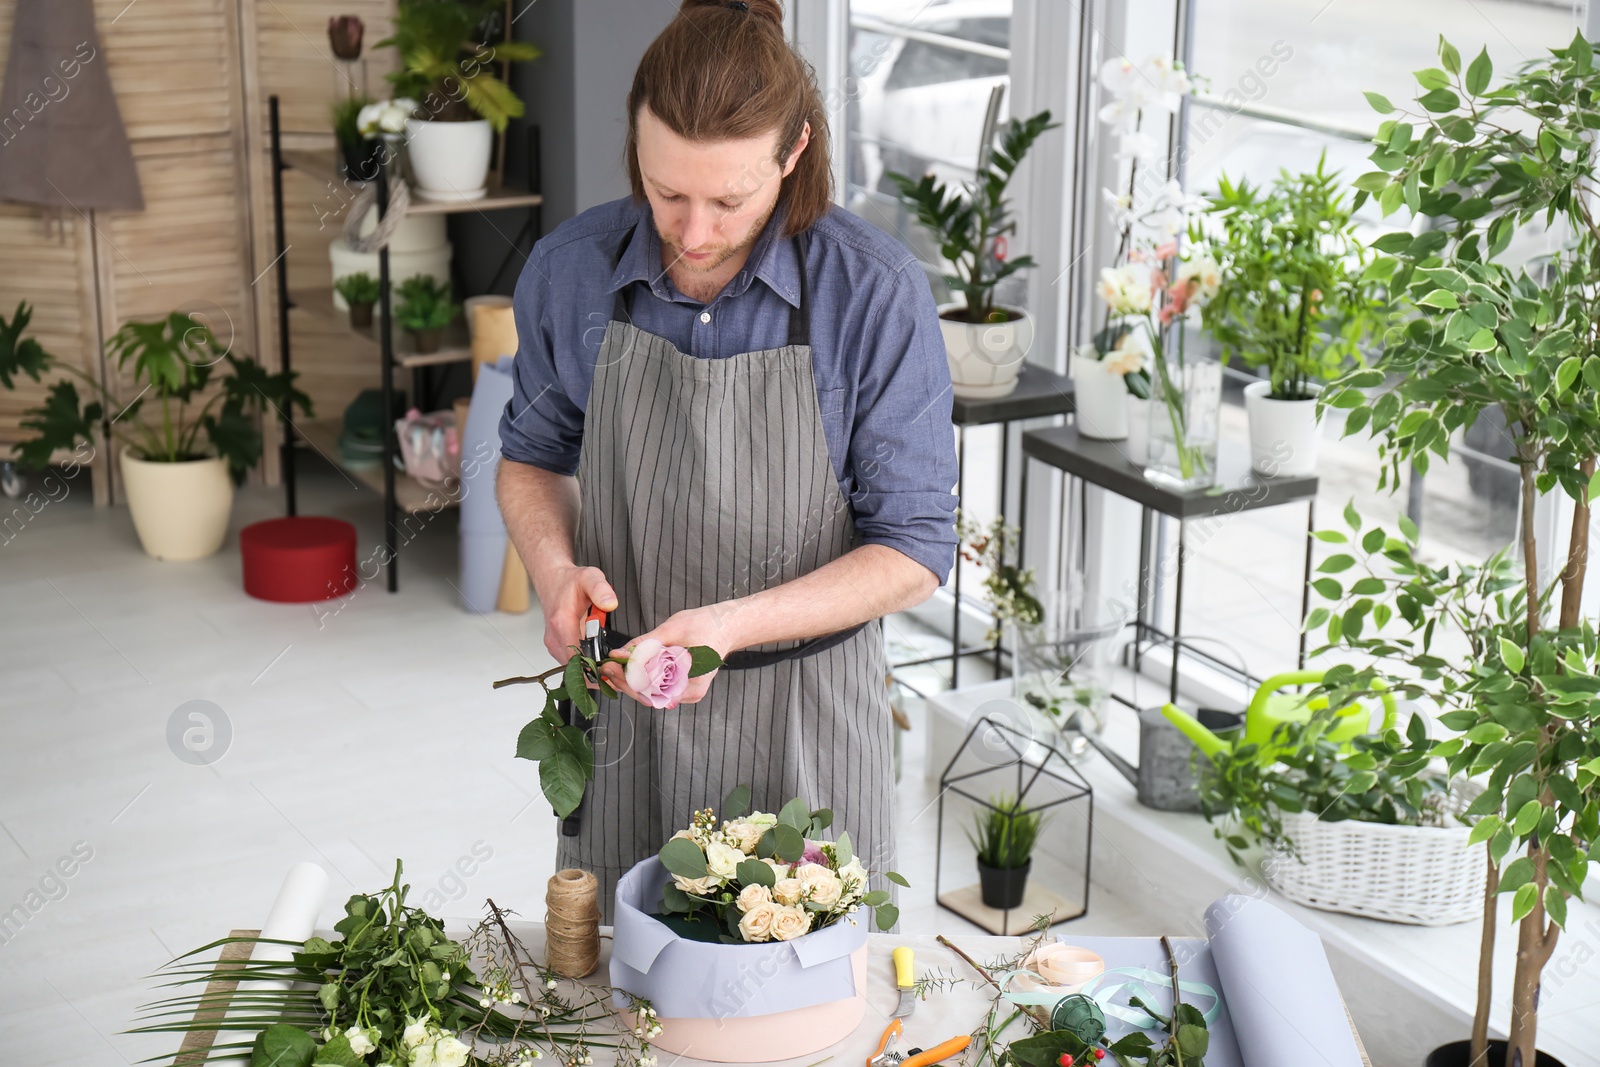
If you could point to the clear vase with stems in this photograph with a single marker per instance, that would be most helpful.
(1185, 412)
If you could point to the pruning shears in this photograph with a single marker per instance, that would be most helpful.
(889, 1054)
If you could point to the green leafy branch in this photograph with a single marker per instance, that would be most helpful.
(563, 750)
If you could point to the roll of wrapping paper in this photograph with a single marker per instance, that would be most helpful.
(293, 918)
(494, 330)
(513, 596)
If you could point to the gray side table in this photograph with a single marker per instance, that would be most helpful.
(1238, 488)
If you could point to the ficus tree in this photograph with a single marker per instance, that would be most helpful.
(1523, 706)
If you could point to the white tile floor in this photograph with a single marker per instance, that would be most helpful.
(356, 737)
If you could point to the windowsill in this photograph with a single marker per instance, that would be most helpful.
(1409, 988)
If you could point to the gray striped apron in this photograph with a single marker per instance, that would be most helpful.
(705, 480)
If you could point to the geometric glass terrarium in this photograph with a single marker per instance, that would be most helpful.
(1011, 786)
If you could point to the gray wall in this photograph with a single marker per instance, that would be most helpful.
(576, 93)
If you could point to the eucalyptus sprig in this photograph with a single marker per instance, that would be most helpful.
(562, 749)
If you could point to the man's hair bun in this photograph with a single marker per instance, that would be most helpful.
(768, 9)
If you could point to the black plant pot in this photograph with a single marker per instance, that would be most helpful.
(1459, 1054)
(361, 316)
(428, 341)
(1003, 887)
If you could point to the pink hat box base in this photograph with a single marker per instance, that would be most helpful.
(766, 1038)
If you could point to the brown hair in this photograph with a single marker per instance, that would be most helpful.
(724, 71)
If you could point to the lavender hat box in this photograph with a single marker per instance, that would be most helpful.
(737, 1003)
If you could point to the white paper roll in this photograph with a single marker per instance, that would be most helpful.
(293, 918)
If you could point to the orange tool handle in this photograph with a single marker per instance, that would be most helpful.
(938, 1052)
(894, 1029)
(595, 612)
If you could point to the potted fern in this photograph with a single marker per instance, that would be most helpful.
(185, 444)
(359, 291)
(1004, 835)
(463, 103)
(985, 342)
(425, 310)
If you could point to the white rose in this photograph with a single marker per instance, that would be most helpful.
(722, 860)
(700, 887)
(756, 925)
(788, 890)
(423, 1056)
(449, 1052)
(414, 1034)
(360, 1041)
(790, 923)
(779, 868)
(753, 894)
(764, 819)
(825, 890)
(854, 877)
(744, 834)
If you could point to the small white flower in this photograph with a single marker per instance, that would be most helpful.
(550, 983)
(361, 1041)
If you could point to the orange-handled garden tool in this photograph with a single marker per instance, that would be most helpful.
(916, 1057)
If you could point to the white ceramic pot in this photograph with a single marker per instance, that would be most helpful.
(1138, 447)
(180, 510)
(1283, 433)
(449, 160)
(1100, 397)
(985, 358)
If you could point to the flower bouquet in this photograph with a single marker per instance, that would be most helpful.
(746, 930)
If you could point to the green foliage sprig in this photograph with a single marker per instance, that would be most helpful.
(175, 358)
(563, 750)
(1292, 298)
(445, 69)
(969, 220)
(1009, 587)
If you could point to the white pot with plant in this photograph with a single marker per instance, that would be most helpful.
(181, 439)
(450, 135)
(985, 343)
(1290, 300)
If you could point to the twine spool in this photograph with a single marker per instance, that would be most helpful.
(572, 923)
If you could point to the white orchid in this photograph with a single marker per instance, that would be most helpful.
(1138, 145)
(1125, 290)
(1171, 210)
(386, 116)
(1121, 205)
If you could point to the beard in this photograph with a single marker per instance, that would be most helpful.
(673, 252)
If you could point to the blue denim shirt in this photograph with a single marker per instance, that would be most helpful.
(878, 357)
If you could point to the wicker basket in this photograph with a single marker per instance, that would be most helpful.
(1421, 875)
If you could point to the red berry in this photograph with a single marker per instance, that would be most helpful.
(1099, 1053)
(1065, 1060)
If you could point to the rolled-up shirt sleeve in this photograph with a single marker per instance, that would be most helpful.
(541, 425)
(902, 445)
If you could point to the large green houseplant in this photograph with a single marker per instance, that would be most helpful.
(462, 101)
(1291, 301)
(1522, 697)
(188, 433)
(986, 343)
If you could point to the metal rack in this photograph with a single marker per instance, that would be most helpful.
(399, 491)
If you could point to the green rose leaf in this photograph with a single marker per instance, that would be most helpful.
(577, 688)
(562, 778)
(337, 1053)
(283, 1045)
(537, 741)
(703, 659)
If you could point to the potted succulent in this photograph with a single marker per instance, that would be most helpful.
(1111, 373)
(985, 343)
(359, 290)
(1004, 834)
(179, 464)
(1521, 700)
(425, 310)
(462, 102)
(1291, 301)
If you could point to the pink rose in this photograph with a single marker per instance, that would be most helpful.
(814, 854)
(658, 673)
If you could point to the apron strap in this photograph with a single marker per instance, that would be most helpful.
(749, 660)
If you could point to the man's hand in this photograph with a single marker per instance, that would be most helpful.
(697, 626)
(566, 597)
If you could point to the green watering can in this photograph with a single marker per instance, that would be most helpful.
(1269, 709)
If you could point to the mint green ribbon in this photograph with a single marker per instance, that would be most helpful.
(1138, 982)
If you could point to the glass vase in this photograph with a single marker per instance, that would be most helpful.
(1185, 410)
(1062, 678)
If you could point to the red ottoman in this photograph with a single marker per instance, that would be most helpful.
(298, 560)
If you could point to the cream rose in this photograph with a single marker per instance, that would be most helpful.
(824, 890)
(854, 877)
(788, 890)
(790, 923)
(722, 860)
(753, 894)
(449, 1052)
(700, 887)
(360, 1040)
(743, 834)
(758, 922)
